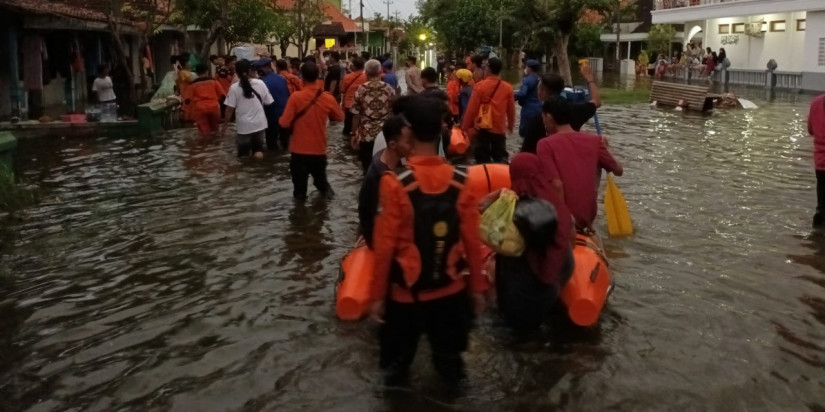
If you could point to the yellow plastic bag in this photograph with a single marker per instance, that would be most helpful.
(497, 228)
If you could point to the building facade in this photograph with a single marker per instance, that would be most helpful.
(754, 32)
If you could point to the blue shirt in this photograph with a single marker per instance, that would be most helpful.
(280, 93)
(528, 97)
(464, 100)
(391, 79)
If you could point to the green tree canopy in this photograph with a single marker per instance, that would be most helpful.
(660, 38)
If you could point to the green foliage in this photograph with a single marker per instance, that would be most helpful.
(463, 25)
(249, 21)
(588, 39)
(239, 20)
(659, 38)
(305, 16)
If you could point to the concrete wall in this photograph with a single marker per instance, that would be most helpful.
(753, 53)
(813, 76)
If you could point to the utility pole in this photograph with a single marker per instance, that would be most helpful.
(501, 30)
(363, 28)
(349, 10)
(386, 39)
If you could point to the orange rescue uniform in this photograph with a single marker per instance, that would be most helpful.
(309, 133)
(503, 105)
(453, 89)
(395, 228)
(293, 83)
(352, 81)
(202, 100)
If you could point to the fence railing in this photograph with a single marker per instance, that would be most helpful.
(780, 80)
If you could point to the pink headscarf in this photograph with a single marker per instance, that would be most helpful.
(527, 179)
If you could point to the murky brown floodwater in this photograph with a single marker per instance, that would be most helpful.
(167, 274)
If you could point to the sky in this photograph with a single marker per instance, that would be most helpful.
(404, 7)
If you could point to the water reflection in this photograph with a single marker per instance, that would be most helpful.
(168, 274)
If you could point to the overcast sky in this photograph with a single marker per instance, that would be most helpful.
(404, 7)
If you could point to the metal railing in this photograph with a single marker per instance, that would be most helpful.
(783, 80)
(675, 4)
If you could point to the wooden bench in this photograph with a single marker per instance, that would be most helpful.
(670, 94)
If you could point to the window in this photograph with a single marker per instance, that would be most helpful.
(724, 29)
(822, 51)
(739, 27)
(800, 25)
(777, 26)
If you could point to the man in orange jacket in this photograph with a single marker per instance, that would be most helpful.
(426, 233)
(203, 99)
(453, 90)
(306, 114)
(492, 92)
(352, 81)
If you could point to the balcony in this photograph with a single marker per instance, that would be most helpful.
(675, 4)
(680, 11)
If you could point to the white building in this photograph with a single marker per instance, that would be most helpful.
(752, 32)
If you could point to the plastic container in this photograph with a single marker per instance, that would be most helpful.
(354, 285)
(585, 293)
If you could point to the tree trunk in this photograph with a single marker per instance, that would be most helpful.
(284, 46)
(618, 46)
(117, 42)
(144, 84)
(214, 33)
(560, 51)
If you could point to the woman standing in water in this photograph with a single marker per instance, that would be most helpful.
(529, 286)
(246, 100)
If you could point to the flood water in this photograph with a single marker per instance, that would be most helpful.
(166, 274)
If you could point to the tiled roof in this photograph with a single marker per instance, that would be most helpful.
(92, 10)
(332, 13)
(66, 8)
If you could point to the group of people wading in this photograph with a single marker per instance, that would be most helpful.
(415, 210)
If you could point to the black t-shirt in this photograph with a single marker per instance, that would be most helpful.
(582, 112)
(333, 74)
(368, 197)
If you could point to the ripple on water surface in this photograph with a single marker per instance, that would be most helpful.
(167, 274)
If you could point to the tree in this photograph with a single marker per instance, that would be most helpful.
(558, 18)
(307, 14)
(615, 13)
(588, 38)
(235, 20)
(148, 16)
(660, 38)
(283, 30)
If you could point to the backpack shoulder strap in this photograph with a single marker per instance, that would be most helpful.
(494, 93)
(304, 111)
(407, 179)
(459, 176)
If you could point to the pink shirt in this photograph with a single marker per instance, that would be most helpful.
(816, 127)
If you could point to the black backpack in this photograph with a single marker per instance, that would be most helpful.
(437, 229)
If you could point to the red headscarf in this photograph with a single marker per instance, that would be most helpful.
(527, 179)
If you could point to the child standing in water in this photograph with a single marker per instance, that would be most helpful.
(246, 100)
(203, 99)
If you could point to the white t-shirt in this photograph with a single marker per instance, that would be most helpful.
(249, 113)
(103, 87)
(380, 144)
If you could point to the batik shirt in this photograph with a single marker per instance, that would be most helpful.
(372, 102)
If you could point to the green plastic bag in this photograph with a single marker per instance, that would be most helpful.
(497, 228)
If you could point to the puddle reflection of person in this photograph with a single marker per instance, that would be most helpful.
(816, 128)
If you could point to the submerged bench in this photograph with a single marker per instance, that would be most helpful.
(692, 97)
